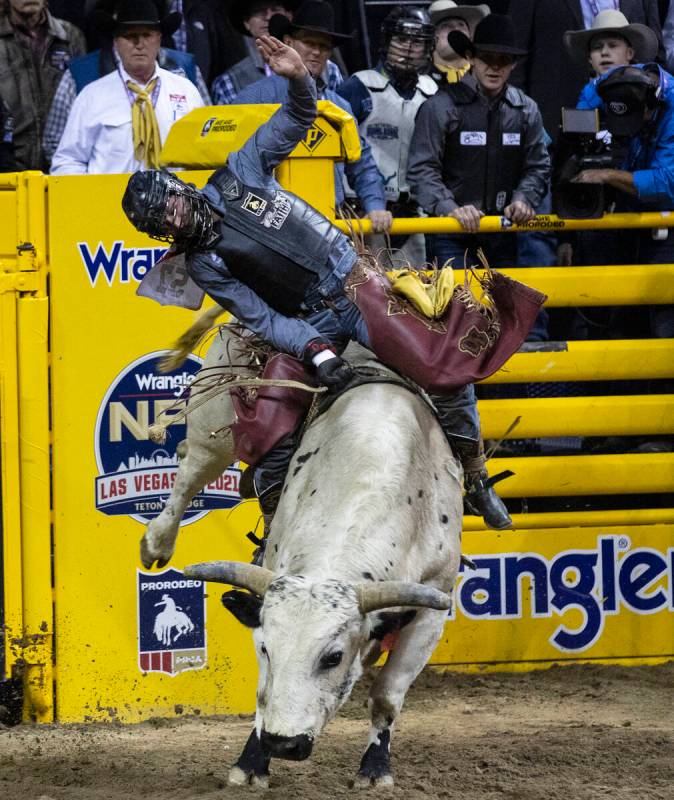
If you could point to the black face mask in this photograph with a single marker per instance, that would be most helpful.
(161, 205)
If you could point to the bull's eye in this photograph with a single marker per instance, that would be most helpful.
(332, 660)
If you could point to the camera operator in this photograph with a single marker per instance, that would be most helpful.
(638, 102)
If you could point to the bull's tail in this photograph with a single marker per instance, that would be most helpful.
(189, 340)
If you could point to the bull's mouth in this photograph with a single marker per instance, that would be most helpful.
(290, 748)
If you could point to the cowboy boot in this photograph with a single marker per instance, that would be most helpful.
(480, 498)
(268, 501)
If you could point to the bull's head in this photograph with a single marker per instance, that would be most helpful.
(308, 635)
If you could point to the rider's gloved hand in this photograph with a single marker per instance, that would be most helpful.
(331, 371)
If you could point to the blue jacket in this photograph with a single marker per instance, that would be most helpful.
(254, 164)
(363, 175)
(650, 156)
(588, 97)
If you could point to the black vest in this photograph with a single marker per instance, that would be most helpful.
(484, 156)
(272, 240)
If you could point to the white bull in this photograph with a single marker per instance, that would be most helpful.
(369, 519)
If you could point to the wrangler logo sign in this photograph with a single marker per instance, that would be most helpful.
(118, 263)
(579, 589)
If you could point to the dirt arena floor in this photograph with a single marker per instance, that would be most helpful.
(573, 733)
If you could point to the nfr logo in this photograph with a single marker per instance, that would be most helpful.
(313, 138)
(135, 475)
(171, 622)
(597, 583)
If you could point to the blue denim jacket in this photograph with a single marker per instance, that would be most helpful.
(363, 175)
(254, 164)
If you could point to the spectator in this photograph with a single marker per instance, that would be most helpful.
(253, 21)
(478, 147)
(7, 162)
(311, 34)
(611, 42)
(668, 35)
(385, 102)
(549, 75)
(119, 122)
(447, 16)
(35, 49)
(85, 70)
(644, 97)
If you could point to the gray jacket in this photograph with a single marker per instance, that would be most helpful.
(254, 165)
(466, 150)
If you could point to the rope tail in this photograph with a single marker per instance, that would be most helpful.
(190, 339)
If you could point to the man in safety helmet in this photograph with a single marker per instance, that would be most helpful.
(279, 266)
(385, 102)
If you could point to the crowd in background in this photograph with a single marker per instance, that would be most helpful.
(459, 114)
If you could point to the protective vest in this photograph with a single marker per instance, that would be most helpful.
(388, 128)
(95, 65)
(484, 155)
(271, 240)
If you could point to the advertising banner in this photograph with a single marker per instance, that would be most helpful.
(132, 643)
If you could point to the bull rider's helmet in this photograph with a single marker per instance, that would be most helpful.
(154, 197)
(413, 34)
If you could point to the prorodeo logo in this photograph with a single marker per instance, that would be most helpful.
(601, 582)
(313, 138)
(171, 622)
(119, 263)
(135, 475)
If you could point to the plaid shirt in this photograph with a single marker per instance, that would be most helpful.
(65, 95)
(223, 90)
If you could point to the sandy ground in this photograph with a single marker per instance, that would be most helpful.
(573, 733)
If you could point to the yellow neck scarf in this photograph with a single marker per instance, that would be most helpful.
(146, 141)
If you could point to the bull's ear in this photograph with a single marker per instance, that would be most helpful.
(390, 621)
(245, 607)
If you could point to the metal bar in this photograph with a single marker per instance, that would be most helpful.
(578, 416)
(582, 519)
(542, 222)
(38, 628)
(11, 483)
(633, 359)
(566, 476)
(625, 285)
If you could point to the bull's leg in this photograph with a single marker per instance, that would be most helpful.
(253, 765)
(201, 465)
(413, 649)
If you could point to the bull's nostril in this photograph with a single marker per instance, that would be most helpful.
(292, 748)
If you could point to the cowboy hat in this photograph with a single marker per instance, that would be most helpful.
(494, 34)
(443, 9)
(136, 14)
(314, 16)
(241, 10)
(641, 38)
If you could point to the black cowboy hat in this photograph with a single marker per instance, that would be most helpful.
(240, 10)
(136, 14)
(494, 34)
(313, 15)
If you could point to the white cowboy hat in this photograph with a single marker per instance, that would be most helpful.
(641, 38)
(441, 9)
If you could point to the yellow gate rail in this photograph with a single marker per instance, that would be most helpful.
(622, 415)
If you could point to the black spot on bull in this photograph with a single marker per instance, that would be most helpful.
(254, 760)
(304, 458)
(376, 761)
(292, 748)
(368, 576)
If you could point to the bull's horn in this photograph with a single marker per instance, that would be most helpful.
(236, 573)
(385, 594)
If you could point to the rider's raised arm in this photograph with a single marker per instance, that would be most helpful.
(279, 136)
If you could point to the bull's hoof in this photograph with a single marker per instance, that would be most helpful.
(237, 777)
(148, 559)
(372, 781)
